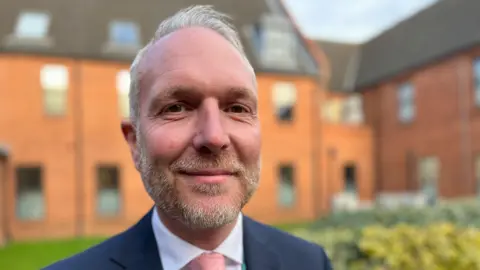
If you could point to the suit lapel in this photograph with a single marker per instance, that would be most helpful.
(138, 248)
(258, 254)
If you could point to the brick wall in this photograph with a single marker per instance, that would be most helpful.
(446, 125)
(69, 148)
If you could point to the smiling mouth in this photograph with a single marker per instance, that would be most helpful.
(208, 176)
(207, 172)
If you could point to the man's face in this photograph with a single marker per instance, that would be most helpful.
(198, 135)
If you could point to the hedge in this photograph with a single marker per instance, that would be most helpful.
(442, 237)
(460, 213)
(403, 247)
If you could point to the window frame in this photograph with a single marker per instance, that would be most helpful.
(281, 181)
(280, 106)
(42, 18)
(124, 25)
(120, 200)
(406, 96)
(59, 89)
(38, 168)
(476, 81)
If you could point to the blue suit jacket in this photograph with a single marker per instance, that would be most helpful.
(265, 248)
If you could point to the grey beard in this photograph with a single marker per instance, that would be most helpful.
(164, 193)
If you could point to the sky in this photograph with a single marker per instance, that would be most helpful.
(352, 21)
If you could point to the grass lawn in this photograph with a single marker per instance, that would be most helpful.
(35, 255)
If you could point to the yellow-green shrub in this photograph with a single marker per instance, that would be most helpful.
(401, 247)
(435, 247)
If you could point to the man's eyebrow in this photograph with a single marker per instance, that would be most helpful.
(191, 93)
(173, 92)
(179, 92)
(240, 93)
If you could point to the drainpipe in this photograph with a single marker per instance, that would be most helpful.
(78, 145)
(464, 113)
(316, 150)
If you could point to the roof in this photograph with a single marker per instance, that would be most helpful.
(344, 60)
(79, 29)
(443, 29)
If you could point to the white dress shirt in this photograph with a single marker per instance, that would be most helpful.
(176, 253)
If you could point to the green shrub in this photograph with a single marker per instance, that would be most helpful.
(436, 247)
(403, 247)
(443, 237)
(464, 213)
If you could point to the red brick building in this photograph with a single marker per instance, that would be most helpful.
(420, 87)
(396, 114)
(65, 169)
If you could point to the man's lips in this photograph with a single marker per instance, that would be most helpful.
(208, 176)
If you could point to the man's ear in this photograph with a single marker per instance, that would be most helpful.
(130, 136)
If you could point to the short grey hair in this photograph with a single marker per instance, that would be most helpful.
(197, 15)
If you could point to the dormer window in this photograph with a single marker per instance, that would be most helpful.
(275, 42)
(123, 37)
(32, 25)
(124, 33)
(31, 29)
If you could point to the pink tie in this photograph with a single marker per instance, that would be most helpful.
(208, 261)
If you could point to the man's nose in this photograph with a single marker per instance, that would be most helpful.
(211, 136)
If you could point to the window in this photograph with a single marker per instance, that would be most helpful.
(406, 102)
(124, 33)
(353, 110)
(284, 98)
(33, 25)
(123, 88)
(429, 174)
(331, 110)
(278, 51)
(477, 173)
(30, 203)
(275, 42)
(286, 192)
(54, 81)
(410, 164)
(350, 179)
(476, 76)
(108, 197)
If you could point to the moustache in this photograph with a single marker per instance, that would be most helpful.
(227, 163)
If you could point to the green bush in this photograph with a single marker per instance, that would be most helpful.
(437, 238)
(437, 247)
(463, 213)
(403, 247)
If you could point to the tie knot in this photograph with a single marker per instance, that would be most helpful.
(208, 261)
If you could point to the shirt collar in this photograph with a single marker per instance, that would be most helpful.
(176, 253)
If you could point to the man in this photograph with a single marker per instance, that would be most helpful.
(194, 136)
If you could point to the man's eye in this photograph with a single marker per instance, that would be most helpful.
(176, 108)
(237, 109)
